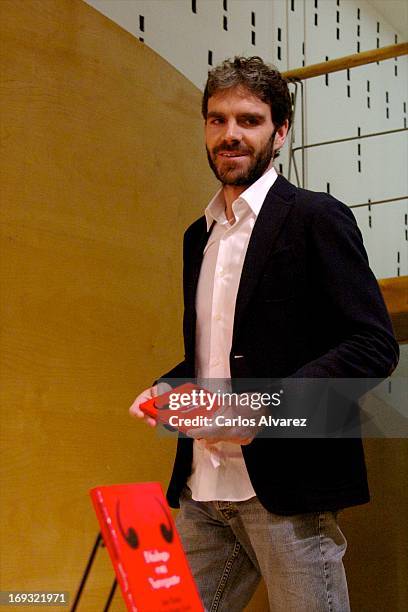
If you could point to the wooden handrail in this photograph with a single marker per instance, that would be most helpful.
(348, 61)
(395, 294)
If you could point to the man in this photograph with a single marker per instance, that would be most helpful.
(276, 285)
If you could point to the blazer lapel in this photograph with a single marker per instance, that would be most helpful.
(192, 266)
(195, 260)
(266, 229)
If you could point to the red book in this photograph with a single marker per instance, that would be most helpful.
(145, 548)
(183, 407)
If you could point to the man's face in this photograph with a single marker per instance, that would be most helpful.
(239, 135)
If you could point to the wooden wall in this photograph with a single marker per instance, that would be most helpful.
(102, 168)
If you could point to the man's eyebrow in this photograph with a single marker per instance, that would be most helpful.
(219, 115)
(215, 114)
(251, 116)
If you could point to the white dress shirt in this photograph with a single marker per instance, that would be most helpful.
(221, 474)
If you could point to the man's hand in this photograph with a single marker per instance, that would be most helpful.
(240, 441)
(144, 397)
(211, 436)
(236, 432)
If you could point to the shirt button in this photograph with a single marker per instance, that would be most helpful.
(216, 362)
(217, 317)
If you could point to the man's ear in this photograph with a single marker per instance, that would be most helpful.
(280, 135)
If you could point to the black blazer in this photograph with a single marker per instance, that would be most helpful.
(308, 306)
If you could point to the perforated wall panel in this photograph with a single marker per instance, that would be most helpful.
(194, 35)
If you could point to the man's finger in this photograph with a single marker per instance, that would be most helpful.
(136, 412)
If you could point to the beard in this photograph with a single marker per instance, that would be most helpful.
(259, 163)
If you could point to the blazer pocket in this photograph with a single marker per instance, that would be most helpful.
(279, 277)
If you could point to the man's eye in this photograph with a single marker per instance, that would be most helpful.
(251, 121)
(216, 121)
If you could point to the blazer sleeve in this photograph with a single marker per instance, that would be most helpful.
(349, 287)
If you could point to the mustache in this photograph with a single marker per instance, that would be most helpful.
(226, 147)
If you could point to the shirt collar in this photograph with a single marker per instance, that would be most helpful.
(254, 197)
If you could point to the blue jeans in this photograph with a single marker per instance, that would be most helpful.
(230, 545)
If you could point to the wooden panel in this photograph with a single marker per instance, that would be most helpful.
(103, 167)
(376, 560)
(395, 293)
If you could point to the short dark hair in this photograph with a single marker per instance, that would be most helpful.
(261, 79)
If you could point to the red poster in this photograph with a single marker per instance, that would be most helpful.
(145, 548)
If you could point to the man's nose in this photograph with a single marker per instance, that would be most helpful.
(232, 132)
